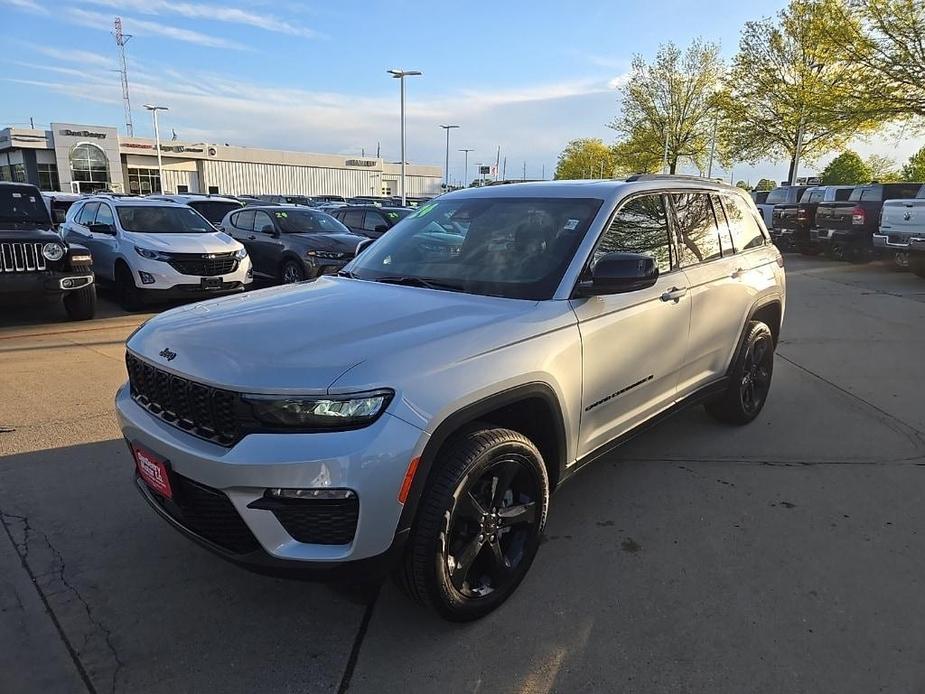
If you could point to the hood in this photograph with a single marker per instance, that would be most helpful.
(303, 337)
(38, 234)
(209, 242)
(333, 241)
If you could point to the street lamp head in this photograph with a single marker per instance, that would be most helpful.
(151, 107)
(398, 73)
(448, 127)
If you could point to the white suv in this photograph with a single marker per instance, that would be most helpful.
(153, 250)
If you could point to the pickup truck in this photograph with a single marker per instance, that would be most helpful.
(791, 222)
(900, 221)
(846, 229)
(778, 196)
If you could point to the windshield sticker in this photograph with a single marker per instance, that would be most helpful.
(571, 225)
(392, 215)
(424, 211)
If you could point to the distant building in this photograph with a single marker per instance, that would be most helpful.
(85, 158)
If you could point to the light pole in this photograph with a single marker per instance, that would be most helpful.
(400, 75)
(157, 142)
(466, 166)
(446, 175)
(817, 68)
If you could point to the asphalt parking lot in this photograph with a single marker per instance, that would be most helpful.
(783, 556)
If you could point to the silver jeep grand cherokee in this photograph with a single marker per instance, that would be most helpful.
(416, 411)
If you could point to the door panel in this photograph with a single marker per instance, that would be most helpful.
(267, 246)
(105, 246)
(632, 343)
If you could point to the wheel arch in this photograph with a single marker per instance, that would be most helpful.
(531, 409)
(770, 311)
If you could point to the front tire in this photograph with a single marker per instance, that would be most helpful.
(80, 304)
(291, 272)
(750, 380)
(478, 526)
(127, 293)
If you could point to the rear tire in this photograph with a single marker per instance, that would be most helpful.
(80, 304)
(127, 293)
(901, 261)
(750, 380)
(917, 264)
(478, 525)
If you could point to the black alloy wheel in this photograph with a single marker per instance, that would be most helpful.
(755, 381)
(292, 272)
(749, 379)
(490, 526)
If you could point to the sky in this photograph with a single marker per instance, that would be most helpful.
(311, 76)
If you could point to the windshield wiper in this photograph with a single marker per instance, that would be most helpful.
(346, 273)
(412, 281)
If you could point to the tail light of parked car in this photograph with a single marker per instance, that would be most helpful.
(802, 214)
(858, 215)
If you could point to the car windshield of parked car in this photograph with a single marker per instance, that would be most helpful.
(510, 247)
(22, 206)
(778, 195)
(307, 222)
(151, 219)
(214, 210)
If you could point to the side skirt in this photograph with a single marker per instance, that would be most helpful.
(698, 397)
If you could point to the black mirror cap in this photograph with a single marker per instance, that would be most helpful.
(102, 229)
(617, 273)
(381, 228)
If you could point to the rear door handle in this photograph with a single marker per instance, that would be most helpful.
(251, 238)
(737, 273)
(674, 294)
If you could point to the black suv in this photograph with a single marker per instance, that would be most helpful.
(369, 220)
(36, 265)
(290, 243)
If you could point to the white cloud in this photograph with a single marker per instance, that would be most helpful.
(216, 13)
(98, 20)
(74, 55)
(27, 5)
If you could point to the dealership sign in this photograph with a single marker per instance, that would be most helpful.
(361, 162)
(82, 133)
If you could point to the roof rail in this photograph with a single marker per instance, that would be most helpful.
(671, 177)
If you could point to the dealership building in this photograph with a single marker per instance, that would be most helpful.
(85, 158)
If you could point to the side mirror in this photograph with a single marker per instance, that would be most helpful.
(363, 245)
(102, 229)
(381, 228)
(616, 273)
(268, 229)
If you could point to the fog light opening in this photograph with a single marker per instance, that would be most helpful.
(146, 277)
(311, 493)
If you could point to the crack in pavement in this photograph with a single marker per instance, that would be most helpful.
(58, 571)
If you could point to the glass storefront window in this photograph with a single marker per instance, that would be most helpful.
(18, 172)
(48, 177)
(89, 165)
(144, 181)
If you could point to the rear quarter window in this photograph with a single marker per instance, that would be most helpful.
(746, 232)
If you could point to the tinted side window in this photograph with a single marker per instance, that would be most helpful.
(262, 221)
(104, 216)
(901, 191)
(872, 193)
(640, 226)
(88, 213)
(353, 218)
(725, 235)
(373, 220)
(697, 227)
(745, 230)
(843, 193)
(244, 220)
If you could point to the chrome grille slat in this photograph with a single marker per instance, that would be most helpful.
(17, 256)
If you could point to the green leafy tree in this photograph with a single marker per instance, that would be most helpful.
(784, 83)
(882, 168)
(846, 169)
(765, 184)
(914, 169)
(671, 99)
(743, 185)
(586, 158)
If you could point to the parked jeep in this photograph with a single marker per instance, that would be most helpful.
(36, 266)
(416, 411)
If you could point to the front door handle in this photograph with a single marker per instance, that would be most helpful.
(737, 273)
(674, 294)
(251, 238)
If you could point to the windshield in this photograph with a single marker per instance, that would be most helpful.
(151, 219)
(214, 210)
(307, 222)
(778, 195)
(22, 206)
(511, 247)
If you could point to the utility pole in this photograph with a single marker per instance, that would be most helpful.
(801, 131)
(665, 155)
(498, 163)
(524, 177)
(157, 142)
(466, 180)
(712, 150)
(446, 173)
(400, 75)
(121, 40)
(504, 170)
(544, 172)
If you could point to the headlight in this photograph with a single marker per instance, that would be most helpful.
(149, 254)
(328, 255)
(241, 254)
(53, 251)
(319, 412)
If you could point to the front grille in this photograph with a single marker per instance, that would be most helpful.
(209, 513)
(320, 521)
(203, 265)
(21, 257)
(199, 409)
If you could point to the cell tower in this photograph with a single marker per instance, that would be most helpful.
(121, 40)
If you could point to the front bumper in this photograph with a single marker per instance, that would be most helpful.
(46, 284)
(162, 276)
(190, 292)
(372, 462)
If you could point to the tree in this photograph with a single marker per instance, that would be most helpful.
(846, 169)
(765, 184)
(784, 82)
(671, 99)
(743, 185)
(882, 168)
(635, 156)
(585, 158)
(886, 40)
(914, 170)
